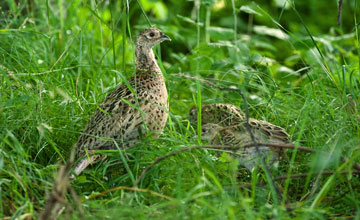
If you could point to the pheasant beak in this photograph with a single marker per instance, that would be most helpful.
(165, 37)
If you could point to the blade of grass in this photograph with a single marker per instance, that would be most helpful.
(144, 13)
(126, 165)
(113, 40)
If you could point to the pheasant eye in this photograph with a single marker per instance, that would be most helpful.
(152, 34)
(203, 130)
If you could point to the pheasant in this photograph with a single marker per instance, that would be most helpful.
(225, 124)
(126, 114)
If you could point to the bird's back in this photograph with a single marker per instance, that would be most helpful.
(120, 116)
(218, 113)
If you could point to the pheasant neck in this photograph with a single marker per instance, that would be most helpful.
(145, 60)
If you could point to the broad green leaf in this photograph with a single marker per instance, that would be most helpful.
(188, 20)
(264, 30)
(220, 33)
(249, 10)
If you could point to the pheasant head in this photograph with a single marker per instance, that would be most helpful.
(146, 40)
(210, 131)
(150, 37)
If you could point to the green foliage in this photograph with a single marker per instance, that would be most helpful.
(297, 68)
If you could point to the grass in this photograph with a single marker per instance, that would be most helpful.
(59, 60)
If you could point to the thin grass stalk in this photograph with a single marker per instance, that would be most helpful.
(113, 39)
(357, 38)
(235, 19)
(61, 16)
(123, 159)
(198, 84)
(144, 13)
(207, 24)
(78, 82)
(49, 31)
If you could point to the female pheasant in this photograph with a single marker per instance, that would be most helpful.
(226, 124)
(130, 110)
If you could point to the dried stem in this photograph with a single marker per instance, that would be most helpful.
(300, 175)
(57, 202)
(131, 189)
(284, 146)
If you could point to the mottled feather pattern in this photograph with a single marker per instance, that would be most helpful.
(225, 124)
(230, 115)
(118, 120)
(238, 137)
(270, 130)
(123, 116)
(219, 113)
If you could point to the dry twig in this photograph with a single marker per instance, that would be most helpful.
(299, 175)
(131, 189)
(57, 202)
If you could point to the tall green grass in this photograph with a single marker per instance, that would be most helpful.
(59, 60)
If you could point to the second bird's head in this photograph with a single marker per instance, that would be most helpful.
(150, 37)
(210, 131)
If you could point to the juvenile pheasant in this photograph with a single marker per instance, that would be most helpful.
(225, 124)
(124, 113)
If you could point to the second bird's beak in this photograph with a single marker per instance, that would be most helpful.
(165, 37)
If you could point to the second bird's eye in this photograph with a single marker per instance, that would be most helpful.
(152, 34)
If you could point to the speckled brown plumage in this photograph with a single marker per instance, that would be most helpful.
(218, 113)
(226, 124)
(229, 115)
(124, 114)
